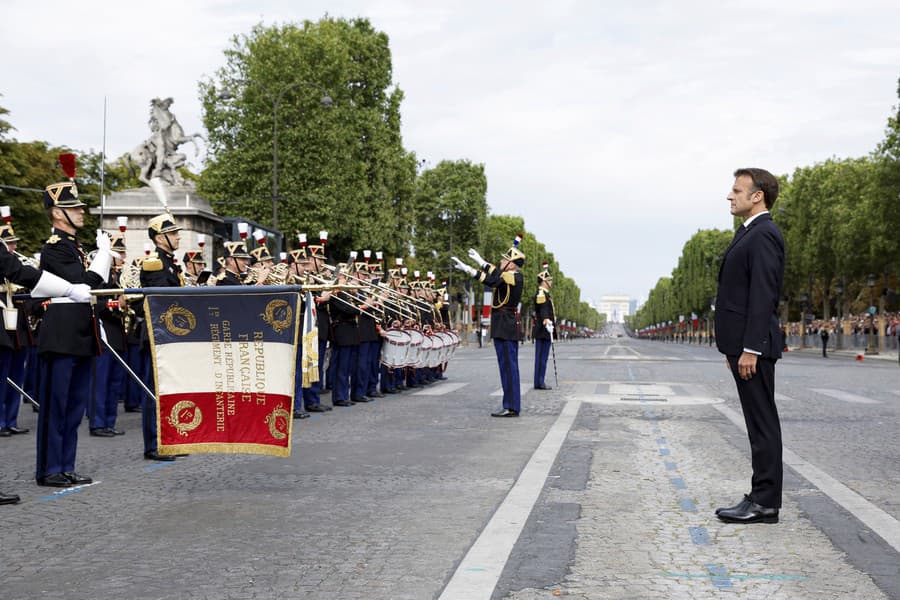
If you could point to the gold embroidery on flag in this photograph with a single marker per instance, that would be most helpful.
(191, 410)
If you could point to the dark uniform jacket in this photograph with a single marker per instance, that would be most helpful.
(323, 320)
(167, 276)
(229, 278)
(11, 268)
(152, 275)
(543, 309)
(113, 323)
(68, 328)
(368, 330)
(508, 287)
(750, 281)
(344, 328)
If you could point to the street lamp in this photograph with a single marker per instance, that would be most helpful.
(870, 349)
(276, 100)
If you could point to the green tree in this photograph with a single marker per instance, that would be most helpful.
(343, 169)
(451, 210)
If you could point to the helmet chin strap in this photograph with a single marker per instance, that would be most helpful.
(171, 248)
(66, 215)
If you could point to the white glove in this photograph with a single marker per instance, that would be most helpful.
(103, 258)
(80, 292)
(460, 265)
(473, 254)
(549, 327)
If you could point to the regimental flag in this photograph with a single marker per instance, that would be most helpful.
(309, 358)
(224, 364)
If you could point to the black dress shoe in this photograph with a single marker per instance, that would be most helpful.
(393, 391)
(76, 479)
(299, 414)
(18, 430)
(154, 455)
(505, 413)
(318, 408)
(361, 400)
(8, 499)
(343, 403)
(542, 387)
(102, 432)
(326, 407)
(750, 513)
(117, 431)
(133, 409)
(742, 505)
(5, 432)
(55, 480)
(375, 395)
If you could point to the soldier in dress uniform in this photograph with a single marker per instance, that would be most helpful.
(14, 341)
(376, 272)
(306, 399)
(261, 264)
(507, 283)
(158, 269)
(195, 272)
(344, 338)
(234, 264)
(369, 340)
(68, 339)
(45, 285)
(542, 333)
(442, 308)
(109, 376)
(316, 255)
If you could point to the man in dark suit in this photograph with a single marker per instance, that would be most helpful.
(749, 335)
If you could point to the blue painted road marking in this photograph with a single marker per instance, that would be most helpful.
(700, 536)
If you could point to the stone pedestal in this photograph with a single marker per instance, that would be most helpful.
(191, 212)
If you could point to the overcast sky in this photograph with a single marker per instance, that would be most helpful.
(612, 128)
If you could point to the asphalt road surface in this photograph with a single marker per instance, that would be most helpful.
(604, 488)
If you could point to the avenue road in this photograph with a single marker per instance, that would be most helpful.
(604, 488)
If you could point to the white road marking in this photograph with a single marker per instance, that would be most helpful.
(478, 573)
(782, 398)
(845, 396)
(524, 388)
(441, 389)
(886, 526)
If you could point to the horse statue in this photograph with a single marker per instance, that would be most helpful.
(158, 156)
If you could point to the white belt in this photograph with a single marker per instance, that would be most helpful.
(65, 300)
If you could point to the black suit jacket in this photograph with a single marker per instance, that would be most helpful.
(750, 279)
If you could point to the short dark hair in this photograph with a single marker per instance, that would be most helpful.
(762, 181)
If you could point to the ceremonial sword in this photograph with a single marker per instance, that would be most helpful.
(24, 393)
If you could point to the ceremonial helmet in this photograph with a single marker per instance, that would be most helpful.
(163, 223)
(65, 194)
(7, 234)
(318, 250)
(236, 250)
(117, 244)
(545, 275)
(261, 254)
(515, 255)
(298, 255)
(194, 256)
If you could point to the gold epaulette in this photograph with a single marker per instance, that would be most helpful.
(509, 277)
(53, 239)
(541, 297)
(152, 263)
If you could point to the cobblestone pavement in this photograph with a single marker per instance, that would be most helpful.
(383, 500)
